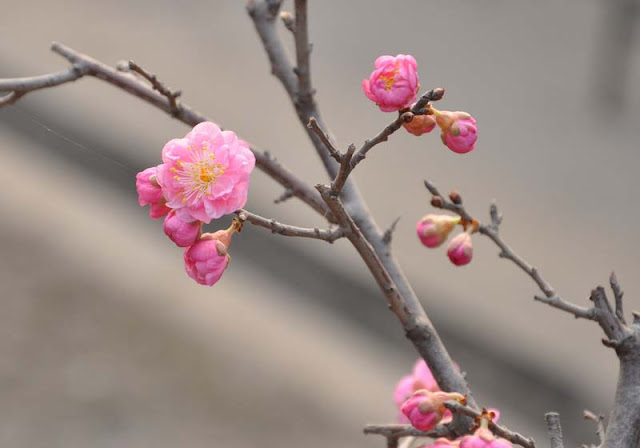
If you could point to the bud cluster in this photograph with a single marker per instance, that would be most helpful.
(421, 403)
(433, 230)
(394, 86)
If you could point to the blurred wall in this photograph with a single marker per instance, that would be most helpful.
(107, 342)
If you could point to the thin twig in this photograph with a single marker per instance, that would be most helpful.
(313, 125)
(618, 293)
(287, 194)
(10, 98)
(343, 172)
(492, 232)
(388, 234)
(599, 420)
(399, 431)
(554, 429)
(171, 95)
(383, 136)
(328, 235)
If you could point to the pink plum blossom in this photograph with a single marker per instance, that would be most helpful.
(420, 124)
(205, 175)
(394, 83)
(150, 192)
(182, 233)
(459, 130)
(425, 409)
(207, 259)
(460, 250)
(433, 230)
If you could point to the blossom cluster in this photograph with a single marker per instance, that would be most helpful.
(421, 403)
(433, 230)
(202, 177)
(394, 86)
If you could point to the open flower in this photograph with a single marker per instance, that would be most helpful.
(208, 258)
(433, 230)
(150, 192)
(459, 130)
(394, 83)
(205, 175)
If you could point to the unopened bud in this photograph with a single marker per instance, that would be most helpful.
(460, 250)
(437, 94)
(455, 197)
(433, 230)
(459, 130)
(437, 202)
(425, 409)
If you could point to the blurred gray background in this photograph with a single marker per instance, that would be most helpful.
(104, 340)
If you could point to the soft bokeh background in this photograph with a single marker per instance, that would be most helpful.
(105, 342)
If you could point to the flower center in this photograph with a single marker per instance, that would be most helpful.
(197, 176)
(389, 79)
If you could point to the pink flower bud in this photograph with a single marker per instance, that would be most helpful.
(182, 233)
(207, 259)
(150, 192)
(433, 230)
(426, 409)
(460, 250)
(459, 130)
(420, 124)
(394, 83)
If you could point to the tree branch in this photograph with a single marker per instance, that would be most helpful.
(313, 125)
(328, 235)
(83, 65)
(492, 232)
(413, 318)
(624, 424)
(303, 51)
(447, 430)
(554, 428)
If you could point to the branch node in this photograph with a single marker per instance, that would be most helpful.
(287, 194)
(288, 21)
(388, 234)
